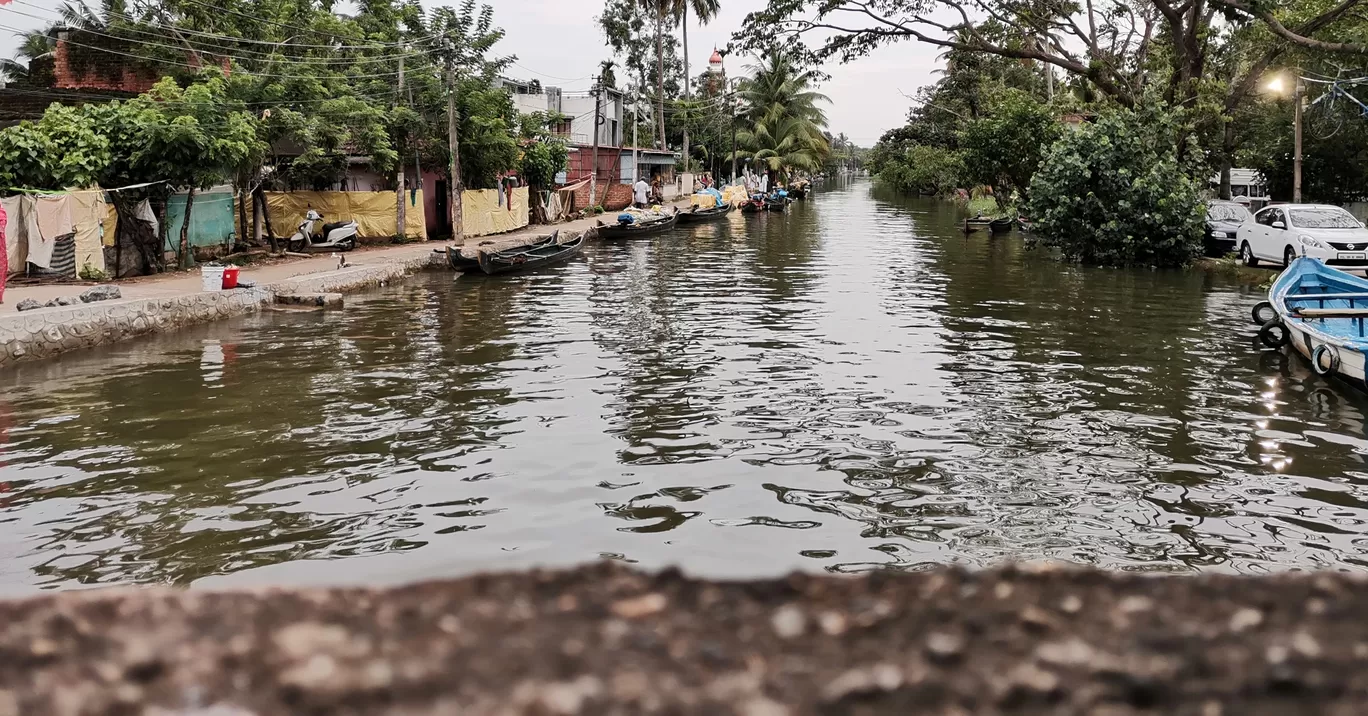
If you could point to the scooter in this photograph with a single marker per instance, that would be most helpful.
(339, 235)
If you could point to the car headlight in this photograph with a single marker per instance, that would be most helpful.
(1311, 241)
(1219, 235)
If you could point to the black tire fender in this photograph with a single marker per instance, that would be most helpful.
(1319, 362)
(1263, 313)
(1274, 334)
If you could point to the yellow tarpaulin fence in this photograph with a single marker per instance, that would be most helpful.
(373, 211)
(482, 214)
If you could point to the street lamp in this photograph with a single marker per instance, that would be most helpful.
(1279, 87)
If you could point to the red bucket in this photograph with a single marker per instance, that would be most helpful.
(230, 277)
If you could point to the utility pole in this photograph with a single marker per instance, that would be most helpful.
(1297, 139)
(399, 208)
(636, 123)
(454, 142)
(733, 124)
(593, 176)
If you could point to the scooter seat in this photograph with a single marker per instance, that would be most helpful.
(327, 228)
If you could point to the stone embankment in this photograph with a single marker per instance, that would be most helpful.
(47, 332)
(607, 640)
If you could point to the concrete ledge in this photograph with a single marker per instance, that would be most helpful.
(606, 640)
(47, 332)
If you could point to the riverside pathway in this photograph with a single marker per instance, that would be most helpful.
(178, 284)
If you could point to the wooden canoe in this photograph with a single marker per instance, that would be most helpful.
(632, 231)
(460, 262)
(526, 258)
(697, 216)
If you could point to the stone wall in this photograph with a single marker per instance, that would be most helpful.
(606, 640)
(47, 332)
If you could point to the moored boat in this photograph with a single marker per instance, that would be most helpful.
(1322, 313)
(697, 215)
(460, 262)
(1000, 226)
(754, 206)
(638, 229)
(526, 258)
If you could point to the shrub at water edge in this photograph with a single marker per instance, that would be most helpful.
(1114, 194)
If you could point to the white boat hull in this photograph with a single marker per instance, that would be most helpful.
(1352, 363)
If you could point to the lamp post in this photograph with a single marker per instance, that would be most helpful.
(1298, 93)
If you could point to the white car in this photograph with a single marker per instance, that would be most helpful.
(1279, 234)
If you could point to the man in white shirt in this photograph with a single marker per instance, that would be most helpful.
(639, 192)
(764, 183)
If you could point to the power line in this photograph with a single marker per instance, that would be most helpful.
(222, 52)
(200, 67)
(296, 27)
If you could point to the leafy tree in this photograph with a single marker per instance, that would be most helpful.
(1113, 193)
(1334, 150)
(62, 150)
(200, 138)
(1004, 149)
(634, 30)
(543, 157)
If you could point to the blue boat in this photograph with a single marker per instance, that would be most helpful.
(1322, 312)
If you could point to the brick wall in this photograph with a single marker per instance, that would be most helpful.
(617, 196)
(108, 71)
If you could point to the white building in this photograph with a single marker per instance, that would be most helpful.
(530, 97)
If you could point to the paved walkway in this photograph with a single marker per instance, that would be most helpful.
(181, 282)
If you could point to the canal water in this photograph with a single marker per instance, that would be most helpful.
(854, 386)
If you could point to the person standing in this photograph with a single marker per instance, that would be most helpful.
(639, 193)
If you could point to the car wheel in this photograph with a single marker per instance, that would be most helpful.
(1289, 255)
(1247, 254)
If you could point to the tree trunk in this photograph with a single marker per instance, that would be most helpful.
(242, 214)
(265, 217)
(684, 23)
(539, 216)
(187, 259)
(454, 144)
(1227, 155)
(684, 26)
(660, 76)
(256, 220)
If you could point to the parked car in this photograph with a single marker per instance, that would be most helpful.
(1223, 219)
(1279, 234)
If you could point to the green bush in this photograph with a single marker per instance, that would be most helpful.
(1113, 194)
(922, 169)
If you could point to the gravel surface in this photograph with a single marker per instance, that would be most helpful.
(606, 640)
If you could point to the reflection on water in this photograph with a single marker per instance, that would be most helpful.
(853, 386)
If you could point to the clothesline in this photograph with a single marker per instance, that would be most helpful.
(21, 190)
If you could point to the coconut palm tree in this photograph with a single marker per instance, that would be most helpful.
(782, 143)
(776, 83)
(784, 119)
(706, 10)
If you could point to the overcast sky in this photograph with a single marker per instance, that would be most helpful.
(558, 42)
